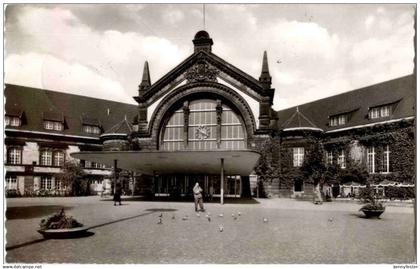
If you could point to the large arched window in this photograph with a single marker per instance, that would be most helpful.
(209, 125)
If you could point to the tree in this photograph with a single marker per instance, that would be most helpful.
(72, 178)
(354, 171)
(267, 168)
(313, 168)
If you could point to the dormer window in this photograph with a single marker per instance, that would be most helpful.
(90, 129)
(53, 125)
(14, 116)
(338, 120)
(380, 112)
(12, 121)
(91, 125)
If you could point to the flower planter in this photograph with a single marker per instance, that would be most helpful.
(64, 233)
(372, 212)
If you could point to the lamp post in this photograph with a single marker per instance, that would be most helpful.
(115, 175)
(221, 180)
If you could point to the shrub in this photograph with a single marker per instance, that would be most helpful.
(402, 193)
(59, 221)
(12, 193)
(368, 196)
(376, 206)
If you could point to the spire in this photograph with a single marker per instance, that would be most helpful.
(145, 82)
(265, 78)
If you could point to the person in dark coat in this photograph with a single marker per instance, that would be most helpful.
(117, 194)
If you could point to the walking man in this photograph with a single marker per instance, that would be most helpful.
(198, 197)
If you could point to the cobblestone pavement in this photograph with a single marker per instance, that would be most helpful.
(295, 232)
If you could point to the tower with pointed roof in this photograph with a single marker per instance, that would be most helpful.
(145, 84)
(267, 102)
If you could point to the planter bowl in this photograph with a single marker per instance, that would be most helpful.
(64, 233)
(373, 213)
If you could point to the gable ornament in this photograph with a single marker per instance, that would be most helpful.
(201, 71)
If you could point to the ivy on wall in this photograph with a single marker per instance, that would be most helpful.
(277, 156)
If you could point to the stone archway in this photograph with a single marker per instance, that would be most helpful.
(201, 90)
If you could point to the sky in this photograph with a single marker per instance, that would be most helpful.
(314, 50)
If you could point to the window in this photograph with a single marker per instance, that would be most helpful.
(385, 111)
(385, 160)
(88, 164)
(12, 121)
(329, 157)
(232, 136)
(341, 160)
(380, 112)
(338, 120)
(11, 183)
(97, 165)
(58, 184)
(46, 183)
(374, 113)
(90, 129)
(298, 154)
(14, 155)
(53, 125)
(46, 157)
(205, 117)
(371, 159)
(58, 158)
(49, 125)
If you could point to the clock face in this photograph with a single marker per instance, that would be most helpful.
(202, 132)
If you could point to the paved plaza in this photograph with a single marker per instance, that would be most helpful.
(295, 232)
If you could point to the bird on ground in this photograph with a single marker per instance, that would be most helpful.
(161, 215)
(239, 213)
(160, 221)
(220, 228)
(233, 215)
(209, 219)
(198, 214)
(330, 219)
(221, 215)
(185, 217)
(265, 220)
(173, 216)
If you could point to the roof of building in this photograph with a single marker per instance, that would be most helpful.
(298, 121)
(400, 92)
(123, 127)
(73, 110)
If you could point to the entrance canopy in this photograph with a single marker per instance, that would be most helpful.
(236, 162)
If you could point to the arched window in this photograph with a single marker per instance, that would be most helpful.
(210, 125)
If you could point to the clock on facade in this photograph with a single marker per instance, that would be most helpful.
(202, 132)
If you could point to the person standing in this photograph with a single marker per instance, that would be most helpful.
(117, 194)
(198, 197)
(211, 192)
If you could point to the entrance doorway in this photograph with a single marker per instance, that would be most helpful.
(182, 185)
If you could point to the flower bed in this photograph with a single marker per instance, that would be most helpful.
(61, 226)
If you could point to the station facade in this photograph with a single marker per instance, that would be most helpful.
(206, 104)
